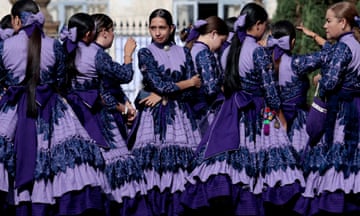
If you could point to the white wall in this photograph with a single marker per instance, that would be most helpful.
(5, 7)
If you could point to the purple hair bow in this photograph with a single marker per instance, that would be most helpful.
(239, 27)
(6, 33)
(280, 45)
(194, 32)
(357, 21)
(34, 21)
(69, 38)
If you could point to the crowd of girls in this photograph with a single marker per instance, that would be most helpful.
(219, 127)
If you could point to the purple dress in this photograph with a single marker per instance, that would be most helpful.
(294, 83)
(209, 97)
(238, 161)
(55, 164)
(124, 183)
(332, 166)
(166, 135)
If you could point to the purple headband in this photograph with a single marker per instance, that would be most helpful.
(68, 36)
(280, 45)
(239, 27)
(357, 21)
(194, 32)
(6, 33)
(32, 21)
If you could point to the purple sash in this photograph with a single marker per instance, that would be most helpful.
(25, 141)
(290, 107)
(224, 135)
(84, 105)
(203, 104)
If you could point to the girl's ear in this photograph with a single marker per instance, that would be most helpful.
(257, 24)
(293, 43)
(213, 34)
(88, 38)
(172, 28)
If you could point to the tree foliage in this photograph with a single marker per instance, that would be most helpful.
(312, 14)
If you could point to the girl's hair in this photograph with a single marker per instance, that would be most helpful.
(102, 21)
(254, 13)
(347, 10)
(32, 76)
(5, 22)
(166, 15)
(213, 23)
(230, 23)
(83, 23)
(279, 29)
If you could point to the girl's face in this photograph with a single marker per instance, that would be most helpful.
(108, 35)
(16, 23)
(261, 29)
(333, 26)
(159, 30)
(216, 41)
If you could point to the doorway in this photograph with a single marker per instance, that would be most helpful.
(206, 10)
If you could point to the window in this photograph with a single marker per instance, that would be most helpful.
(62, 9)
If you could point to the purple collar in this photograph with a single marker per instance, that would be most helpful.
(200, 42)
(346, 34)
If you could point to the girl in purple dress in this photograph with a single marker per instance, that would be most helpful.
(49, 163)
(208, 35)
(292, 71)
(246, 151)
(112, 93)
(88, 66)
(332, 166)
(166, 133)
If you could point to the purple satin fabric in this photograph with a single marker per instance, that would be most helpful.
(242, 201)
(68, 36)
(280, 45)
(30, 28)
(194, 32)
(25, 141)
(70, 46)
(329, 202)
(290, 107)
(82, 103)
(225, 127)
(33, 21)
(278, 52)
(241, 34)
(204, 105)
(315, 122)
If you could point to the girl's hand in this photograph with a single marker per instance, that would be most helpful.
(131, 113)
(316, 79)
(305, 30)
(196, 81)
(129, 47)
(151, 100)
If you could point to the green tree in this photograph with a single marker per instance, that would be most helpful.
(313, 17)
(287, 10)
